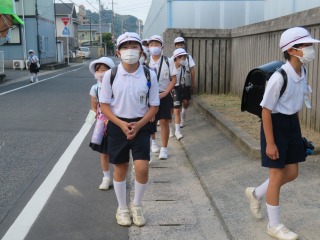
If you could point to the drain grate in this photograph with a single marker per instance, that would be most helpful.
(161, 181)
(171, 225)
(165, 200)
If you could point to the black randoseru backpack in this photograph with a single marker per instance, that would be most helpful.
(255, 85)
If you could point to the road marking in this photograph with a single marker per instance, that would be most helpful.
(21, 226)
(43, 80)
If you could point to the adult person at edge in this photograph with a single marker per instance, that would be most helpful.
(130, 103)
(166, 75)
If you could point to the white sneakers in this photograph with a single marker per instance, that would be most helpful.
(106, 183)
(281, 232)
(154, 148)
(163, 154)
(178, 135)
(123, 216)
(255, 204)
(137, 215)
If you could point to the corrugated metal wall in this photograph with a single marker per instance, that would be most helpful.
(225, 57)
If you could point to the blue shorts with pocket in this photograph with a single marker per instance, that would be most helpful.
(288, 139)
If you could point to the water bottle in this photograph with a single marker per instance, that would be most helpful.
(98, 132)
(176, 99)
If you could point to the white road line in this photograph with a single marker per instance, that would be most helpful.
(20, 228)
(43, 80)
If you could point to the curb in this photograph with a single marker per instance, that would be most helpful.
(243, 140)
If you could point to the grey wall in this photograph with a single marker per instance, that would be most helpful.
(224, 57)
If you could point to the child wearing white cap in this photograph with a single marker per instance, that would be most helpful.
(281, 141)
(98, 68)
(129, 102)
(166, 75)
(179, 58)
(189, 86)
(33, 62)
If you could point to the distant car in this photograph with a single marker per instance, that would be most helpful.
(83, 52)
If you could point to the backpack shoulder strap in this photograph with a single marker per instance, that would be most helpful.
(285, 80)
(147, 73)
(166, 60)
(113, 76)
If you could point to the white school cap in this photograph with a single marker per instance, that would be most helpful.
(128, 37)
(179, 39)
(157, 38)
(293, 36)
(105, 60)
(178, 52)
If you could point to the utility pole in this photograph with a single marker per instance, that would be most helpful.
(112, 29)
(100, 27)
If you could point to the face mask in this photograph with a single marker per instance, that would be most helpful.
(183, 62)
(308, 54)
(142, 60)
(99, 76)
(130, 56)
(155, 51)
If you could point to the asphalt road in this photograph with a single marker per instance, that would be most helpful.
(37, 124)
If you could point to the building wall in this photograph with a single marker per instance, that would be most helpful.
(39, 32)
(165, 14)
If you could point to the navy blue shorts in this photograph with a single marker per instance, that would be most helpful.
(288, 139)
(119, 146)
(186, 93)
(165, 106)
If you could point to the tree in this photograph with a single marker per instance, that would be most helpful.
(107, 39)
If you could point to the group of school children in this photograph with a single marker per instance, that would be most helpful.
(129, 100)
(146, 85)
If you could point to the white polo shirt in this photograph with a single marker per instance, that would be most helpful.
(164, 78)
(130, 92)
(180, 75)
(292, 99)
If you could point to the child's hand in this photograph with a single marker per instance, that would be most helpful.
(272, 151)
(134, 129)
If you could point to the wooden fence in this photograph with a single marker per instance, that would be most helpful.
(225, 56)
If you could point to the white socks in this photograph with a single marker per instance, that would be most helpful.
(177, 127)
(121, 193)
(274, 215)
(106, 174)
(261, 190)
(139, 190)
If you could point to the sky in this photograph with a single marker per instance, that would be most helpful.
(137, 8)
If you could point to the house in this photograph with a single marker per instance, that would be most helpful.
(89, 34)
(37, 33)
(67, 31)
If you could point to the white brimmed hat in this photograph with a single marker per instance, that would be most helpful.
(293, 36)
(144, 40)
(179, 52)
(30, 51)
(179, 39)
(157, 38)
(127, 37)
(105, 60)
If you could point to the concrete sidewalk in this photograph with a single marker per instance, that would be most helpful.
(224, 171)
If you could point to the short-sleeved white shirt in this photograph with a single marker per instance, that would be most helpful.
(164, 78)
(180, 75)
(93, 91)
(292, 99)
(129, 92)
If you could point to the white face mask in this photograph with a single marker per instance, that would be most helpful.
(155, 51)
(308, 54)
(99, 76)
(130, 56)
(183, 62)
(142, 60)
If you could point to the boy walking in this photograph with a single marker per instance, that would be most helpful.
(166, 75)
(130, 101)
(281, 141)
